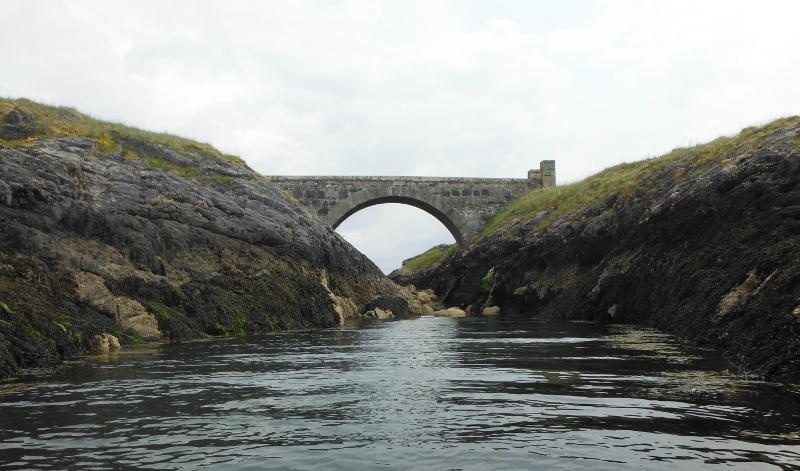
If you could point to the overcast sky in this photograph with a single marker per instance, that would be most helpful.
(435, 88)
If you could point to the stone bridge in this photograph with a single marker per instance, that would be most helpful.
(463, 205)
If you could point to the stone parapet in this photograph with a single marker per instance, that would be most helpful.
(463, 205)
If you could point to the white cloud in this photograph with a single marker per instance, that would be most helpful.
(454, 88)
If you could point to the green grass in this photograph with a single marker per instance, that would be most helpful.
(430, 258)
(625, 179)
(486, 281)
(221, 179)
(189, 172)
(60, 121)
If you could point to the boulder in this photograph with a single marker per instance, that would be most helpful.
(104, 343)
(450, 312)
(491, 311)
(19, 116)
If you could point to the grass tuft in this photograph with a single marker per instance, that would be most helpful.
(58, 121)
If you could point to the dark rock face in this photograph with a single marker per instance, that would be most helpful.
(19, 116)
(19, 125)
(14, 132)
(712, 256)
(94, 243)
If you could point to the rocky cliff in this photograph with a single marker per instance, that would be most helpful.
(106, 230)
(703, 243)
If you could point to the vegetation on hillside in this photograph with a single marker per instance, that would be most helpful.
(57, 121)
(624, 179)
(628, 178)
(430, 258)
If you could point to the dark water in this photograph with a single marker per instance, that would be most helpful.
(430, 393)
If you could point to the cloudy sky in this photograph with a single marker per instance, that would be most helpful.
(436, 88)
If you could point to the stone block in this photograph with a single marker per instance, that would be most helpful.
(548, 172)
(467, 202)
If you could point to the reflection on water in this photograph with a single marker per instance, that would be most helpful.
(430, 393)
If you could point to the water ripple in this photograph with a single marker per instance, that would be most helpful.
(431, 393)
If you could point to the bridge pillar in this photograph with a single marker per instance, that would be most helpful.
(546, 173)
(547, 170)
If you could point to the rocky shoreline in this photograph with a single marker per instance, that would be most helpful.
(706, 246)
(113, 240)
(139, 242)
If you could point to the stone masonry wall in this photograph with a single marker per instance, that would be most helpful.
(479, 197)
(466, 203)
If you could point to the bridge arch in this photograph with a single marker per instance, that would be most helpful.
(450, 217)
(462, 205)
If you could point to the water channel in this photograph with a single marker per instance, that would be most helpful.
(428, 393)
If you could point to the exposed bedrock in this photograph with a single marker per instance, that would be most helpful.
(159, 245)
(708, 252)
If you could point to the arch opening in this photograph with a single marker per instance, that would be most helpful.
(446, 221)
(389, 234)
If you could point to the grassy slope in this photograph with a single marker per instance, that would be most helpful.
(624, 179)
(429, 259)
(59, 121)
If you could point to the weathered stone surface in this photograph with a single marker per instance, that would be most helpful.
(708, 252)
(18, 116)
(104, 343)
(14, 132)
(133, 317)
(93, 291)
(450, 312)
(491, 311)
(94, 243)
(424, 297)
(19, 125)
(463, 205)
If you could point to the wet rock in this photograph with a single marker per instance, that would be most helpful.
(707, 252)
(104, 343)
(99, 243)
